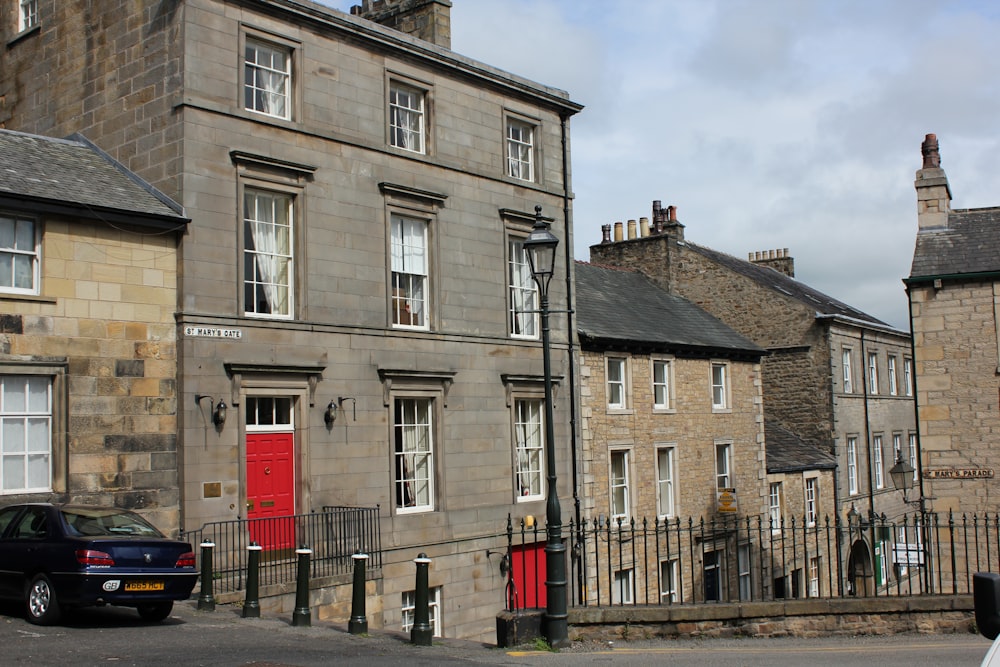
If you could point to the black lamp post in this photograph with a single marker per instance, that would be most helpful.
(540, 247)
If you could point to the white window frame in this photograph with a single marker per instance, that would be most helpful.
(663, 384)
(720, 385)
(529, 449)
(20, 254)
(744, 571)
(873, 373)
(907, 377)
(267, 78)
(524, 309)
(264, 252)
(666, 485)
(409, 608)
(891, 371)
(878, 461)
(668, 580)
(617, 388)
(619, 485)
(413, 420)
(266, 413)
(774, 501)
(852, 465)
(520, 140)
(26, 437)
(623, 586)
(27, 14)
(814, 569)
(913, 455)
(407, 117)
(811, 489)
(409, 251)
(723, 465)
(848, 373)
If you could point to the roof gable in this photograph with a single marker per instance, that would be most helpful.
(970, 244)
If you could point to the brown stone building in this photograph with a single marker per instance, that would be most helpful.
(954, 294)
(88, 347)
(352, 284)
(672, 429)
(837, 378)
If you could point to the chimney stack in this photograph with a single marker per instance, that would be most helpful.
(933, 192)
(429, 20)
(779, 260)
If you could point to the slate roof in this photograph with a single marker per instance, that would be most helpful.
(72, 176)
(786, 452)
(970, 244)
(625, 310)
(822, 304)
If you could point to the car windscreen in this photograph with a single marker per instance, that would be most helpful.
(99, 522)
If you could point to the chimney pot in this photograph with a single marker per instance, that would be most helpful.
(929, 149)
(643, 227)
(606, 233)
(631, 229)
(618, 231)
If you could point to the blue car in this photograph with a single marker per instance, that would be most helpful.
(58, 557)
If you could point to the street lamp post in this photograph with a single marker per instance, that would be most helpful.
(540, 247)
(901, 475)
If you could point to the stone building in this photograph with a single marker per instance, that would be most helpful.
(954, 296)
(672, 428)
(353, 286)
(88, 347)
(837, 378)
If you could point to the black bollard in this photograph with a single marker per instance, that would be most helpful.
(251, 607)
(422, 633)
(206, 599)
(302, 616)
(358, 625)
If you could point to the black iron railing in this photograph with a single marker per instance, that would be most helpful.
(729, 559)
(333, 535)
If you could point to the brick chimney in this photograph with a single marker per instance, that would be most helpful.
(933, 193)
(779, 260)
(430, 20)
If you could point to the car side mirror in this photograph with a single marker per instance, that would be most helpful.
(986, 597)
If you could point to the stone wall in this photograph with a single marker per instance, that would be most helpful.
(955, 331)
(106, 311)
(804, 618)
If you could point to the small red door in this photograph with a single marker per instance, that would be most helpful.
(271, 489)
(528, 569)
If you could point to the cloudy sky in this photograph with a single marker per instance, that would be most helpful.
(768, 123)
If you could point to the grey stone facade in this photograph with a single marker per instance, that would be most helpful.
(161, 87)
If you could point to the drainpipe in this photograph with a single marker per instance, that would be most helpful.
(924, 539)
(563, 118)
(868, 436)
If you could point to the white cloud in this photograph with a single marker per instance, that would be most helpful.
(769, 123)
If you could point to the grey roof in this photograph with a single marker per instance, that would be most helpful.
(787, 452)
(822, 304)
(72, 176)
(970, 244)
(623, 309)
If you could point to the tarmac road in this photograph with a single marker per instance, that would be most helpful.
(112, 636)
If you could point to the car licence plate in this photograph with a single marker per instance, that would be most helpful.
(139, 586)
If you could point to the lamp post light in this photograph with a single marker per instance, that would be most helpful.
(901, 475)
(540, 246)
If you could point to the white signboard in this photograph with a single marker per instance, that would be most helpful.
(212, 332)
(907, 554)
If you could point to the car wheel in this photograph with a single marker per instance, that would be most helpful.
(41, 602)
(155, 612)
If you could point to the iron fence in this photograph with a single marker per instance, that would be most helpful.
(333, 535)
(729, 559)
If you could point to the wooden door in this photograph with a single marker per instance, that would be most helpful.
(271, 489)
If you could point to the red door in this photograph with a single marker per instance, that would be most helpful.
(528, 570)
(271, 489)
